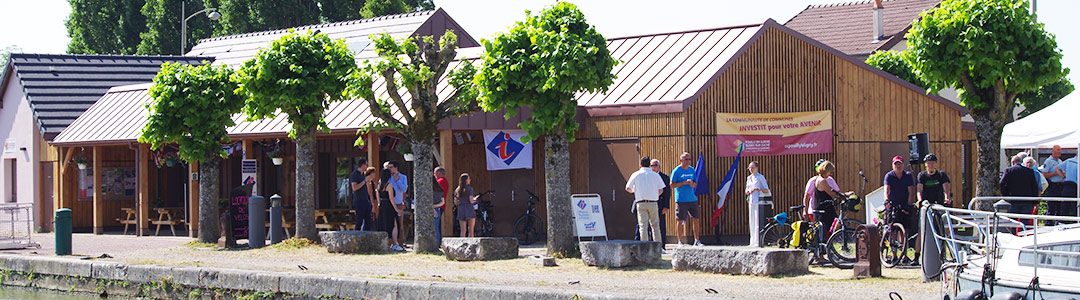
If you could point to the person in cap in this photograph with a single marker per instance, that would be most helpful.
(900, 196)
(933, 183)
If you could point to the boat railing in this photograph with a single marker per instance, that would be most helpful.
(971, 231)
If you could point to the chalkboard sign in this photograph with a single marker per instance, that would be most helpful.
(238, 206)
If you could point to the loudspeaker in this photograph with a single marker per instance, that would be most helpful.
(918, 147)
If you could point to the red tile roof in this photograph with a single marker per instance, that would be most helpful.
(848, 27)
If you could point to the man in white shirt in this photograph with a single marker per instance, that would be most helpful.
(646, 186)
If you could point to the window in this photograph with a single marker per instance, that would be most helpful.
(13, 181)
(1054, 260)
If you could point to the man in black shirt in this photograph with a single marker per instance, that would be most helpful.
(663, 204)
(933, 184)
(1019, 181)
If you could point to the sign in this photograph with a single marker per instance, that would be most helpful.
(506, 151)
(249, 169)
(9, 146)
(774, 133)
(588, 215)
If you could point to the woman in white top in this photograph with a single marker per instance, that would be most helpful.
(756, 187)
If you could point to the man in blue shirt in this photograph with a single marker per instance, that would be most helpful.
(684, 182)
(899, 193)
(1068, 188)
(399, 183)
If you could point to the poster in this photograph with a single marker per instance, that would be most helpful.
(86, 184)
(774, 133)
(118, 183)
(588, 215)
(506, 150)
(249, 169)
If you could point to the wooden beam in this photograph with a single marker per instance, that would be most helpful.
(446, 150)
(99, 198)
(58, 175)
(67, 158)
(143, 164)
(249, 149)
(372, 144)
(193, 200)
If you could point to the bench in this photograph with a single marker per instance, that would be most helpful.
(352, 241)
(165, 219)
(480, 248)
(621, 253)
(129, 219)
(740, 260)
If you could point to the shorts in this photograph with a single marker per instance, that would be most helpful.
(691, 208)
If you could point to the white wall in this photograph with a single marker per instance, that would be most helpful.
(17, 122)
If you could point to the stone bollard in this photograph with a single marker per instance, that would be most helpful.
(275, 219)
(867, 251)
(621, 253)
(256, 221)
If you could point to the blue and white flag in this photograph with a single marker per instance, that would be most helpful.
(506, 151)
(729, 179)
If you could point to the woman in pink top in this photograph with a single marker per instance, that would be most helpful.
(811, 185)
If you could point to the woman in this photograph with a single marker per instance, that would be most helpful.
(826, 195)
(756, 188)
(387, 210)
(363, 202)
(466, 213)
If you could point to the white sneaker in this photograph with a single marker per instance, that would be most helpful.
(397, 248)
(679, 244)
(698, 243)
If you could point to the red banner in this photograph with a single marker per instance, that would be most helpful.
(774, 133)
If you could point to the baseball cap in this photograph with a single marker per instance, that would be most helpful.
(897, 159)
(930, 157)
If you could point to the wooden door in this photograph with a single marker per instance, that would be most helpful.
(610, 164)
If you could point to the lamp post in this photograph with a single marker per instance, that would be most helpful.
(211, 13)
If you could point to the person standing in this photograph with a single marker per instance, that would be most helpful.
(933, 184)
(464, 198)
(398, 185)
(756, 188)
(665, 199)
(439, 190)
(362, 202)
(1019, 181)
(1056, 179)
(1040, 181)
(688, 211)
(900, 195)
(1069, 168)
(646, 186)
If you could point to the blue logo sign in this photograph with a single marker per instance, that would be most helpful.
(505, 147)
(581, 204)
(590, 225)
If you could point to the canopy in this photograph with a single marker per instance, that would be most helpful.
(1053, 125)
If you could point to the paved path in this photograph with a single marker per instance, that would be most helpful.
(570, 275)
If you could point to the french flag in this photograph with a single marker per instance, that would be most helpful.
(729, 179)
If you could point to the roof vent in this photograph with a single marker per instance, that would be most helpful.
(879, 21)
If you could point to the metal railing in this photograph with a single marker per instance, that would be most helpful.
(16, 226)
(974, 204)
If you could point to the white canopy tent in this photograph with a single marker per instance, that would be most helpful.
(1054, 125)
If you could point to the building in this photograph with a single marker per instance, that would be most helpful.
(42, 95)
(670, 94)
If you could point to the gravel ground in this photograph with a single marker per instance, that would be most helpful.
(570, 275)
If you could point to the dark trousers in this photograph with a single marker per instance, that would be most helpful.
(663, 229)
(1068, 190)
(364, 220)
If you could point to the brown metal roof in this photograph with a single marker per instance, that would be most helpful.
(118, 117)
(848, 27)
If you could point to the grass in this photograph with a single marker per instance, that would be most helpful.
(200, 245)
(293, 244)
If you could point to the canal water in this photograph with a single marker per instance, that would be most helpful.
(14, 293)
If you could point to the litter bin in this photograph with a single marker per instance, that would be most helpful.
(63, 231)
(765, 211)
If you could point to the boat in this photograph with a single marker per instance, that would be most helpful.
(1000, 255)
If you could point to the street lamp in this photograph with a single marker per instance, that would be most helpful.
(211, 13)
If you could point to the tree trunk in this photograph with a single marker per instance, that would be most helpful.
(560, 233)
(305, 184)
(988, 134)
(209, 195)
(423, 214)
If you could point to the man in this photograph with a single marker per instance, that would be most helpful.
(687, 210)
(1056, 179)
(646, 186)
(1019, 181)
(362, 196)
(1069, 168)
(1030, 163)
(439, 192)
(664, 204)
(400, 183)
(900, 195)
(933, 184)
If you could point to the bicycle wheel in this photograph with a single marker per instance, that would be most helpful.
(776, 235)
(527, 229)
(485, 228)
(852, 224)
(841, 248)
(893, 245)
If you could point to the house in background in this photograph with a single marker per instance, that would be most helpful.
(42, 95)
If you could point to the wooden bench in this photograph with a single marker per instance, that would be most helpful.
(286, 223)
(165, 219)
(332, 219)
(129, 219)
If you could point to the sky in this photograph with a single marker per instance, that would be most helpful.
(38, 25)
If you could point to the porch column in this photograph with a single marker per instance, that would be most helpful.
(99, 198)
(143, 164)
(446, 150)
(193, 200)
(372, 144)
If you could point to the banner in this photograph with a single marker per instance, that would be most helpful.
(506, 151)
(588, 215)
(774, 133)
(249, 168)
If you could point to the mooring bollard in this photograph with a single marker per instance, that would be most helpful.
(275, 219)
(63, 231)
(256, 221)
(867, 251)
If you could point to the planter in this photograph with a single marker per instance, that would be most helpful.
(82, 166)
(277, 160)
(409, 157)
(170, 163)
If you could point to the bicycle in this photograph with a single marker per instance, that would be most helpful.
(840, 245)
(896, 246)
(783, 234)
(485, 217)
(528, 228)
(777, 233)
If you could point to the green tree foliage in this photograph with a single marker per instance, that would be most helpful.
(5, 54)
(1044, 96)
(542, 63)
(162, 33)
(896, 63)
(340, 10)
(105, 27)
(299, 75)
(416, 65)
(991, 51)
(241, 16)
(191, 107)
(376, 8)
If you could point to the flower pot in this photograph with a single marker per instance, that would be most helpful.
(170, 163)
(82, 166)
(277, 160)
(409, 157)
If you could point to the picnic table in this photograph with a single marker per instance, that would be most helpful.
(165, 217)
(129, 218)
(333, 219)
(287, 221)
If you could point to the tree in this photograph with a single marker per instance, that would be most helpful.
(416, 65)
(191, 107)
(299, 75)
(104, 27)
(991, 51)
(242, 16)
(542, 63)
(896, 63)
(1044, 96)
(5, 54)
(162, 32)
(340, 10)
